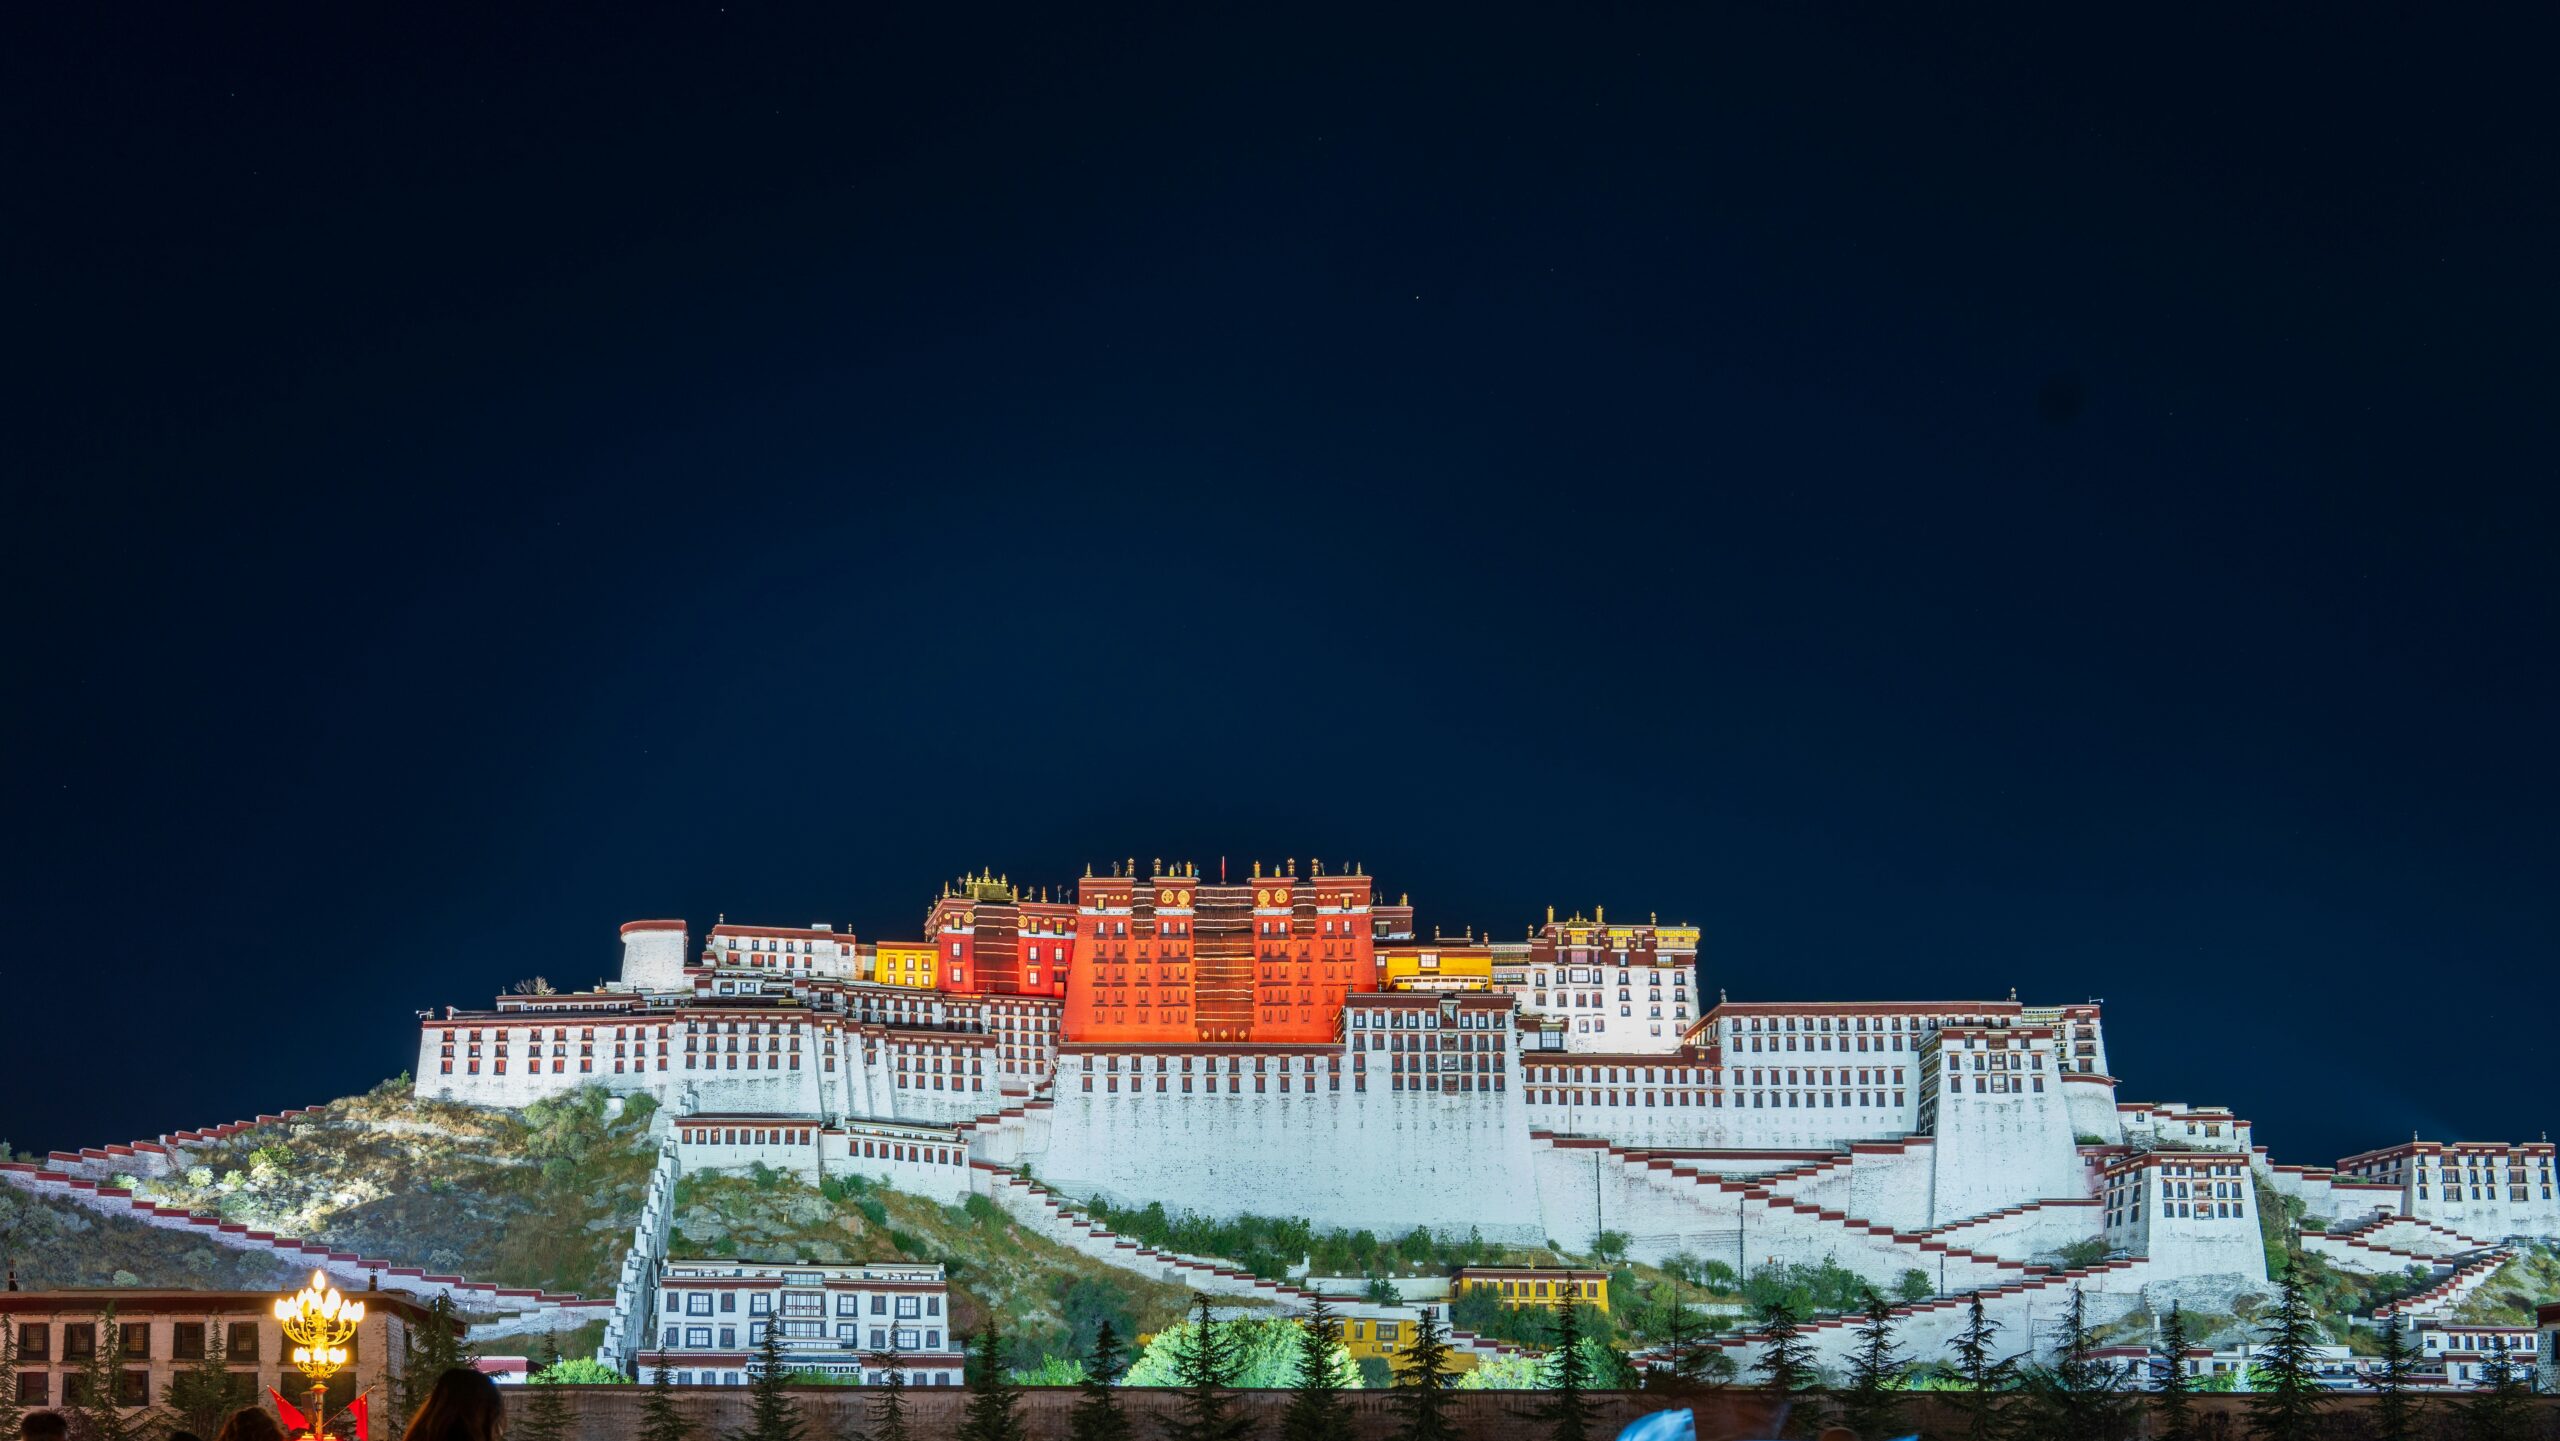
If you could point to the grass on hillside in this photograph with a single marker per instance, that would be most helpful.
(2508, 1297)
(1642, 1296)
(545, 1196)
(1049, 1300)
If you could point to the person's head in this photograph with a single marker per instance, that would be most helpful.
(250, 1423)
(43, 1426)
(463, 1406)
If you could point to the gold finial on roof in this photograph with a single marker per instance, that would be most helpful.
(1551, 915)
(1599, 915)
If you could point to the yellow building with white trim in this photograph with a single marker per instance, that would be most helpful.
(1536, 1285)
(904, 963)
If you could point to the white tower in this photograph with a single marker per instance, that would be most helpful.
(653, 956)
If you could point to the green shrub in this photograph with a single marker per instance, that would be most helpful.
(578, 1371)
(2088, 1251)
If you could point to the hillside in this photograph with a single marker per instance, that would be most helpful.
(547, 1197)
(541, 1197)
(2511, 1293)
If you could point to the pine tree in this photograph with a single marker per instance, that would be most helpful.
(10, 1410)
(2172, 1408)
(2497, 1409)
(992, 1394)
(1098, 1416)
(428, 1350)
(1689, 1363)
(1984, 1374)
(888, 1412)
(1786, 1363)
(1206, 1364)
(1316, 1411)
(2076, 1398)
(99, 1415)
(1424, 1383)
(1786, 1366)
(659, 1418)
(2285, 1396)
(771, 1413)
(546, 1411)
(202, 1397)
(1872, 1404)
(2394, 1414)
(1564, 1406)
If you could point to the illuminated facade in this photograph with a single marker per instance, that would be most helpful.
(1621, 989)
(1443, 963)
(993, 939)
(781, 951)
(1209, 1040)
(1173, 958)
(907, 964)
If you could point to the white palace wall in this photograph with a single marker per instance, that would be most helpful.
(2001, 1149)
(2092, 1103)
(1379, 1159)
(1894, 1183)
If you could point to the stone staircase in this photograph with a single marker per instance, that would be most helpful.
(626, 1328)
(2454, 1289)
(2389, 1243)
(1042, 1210)
(2022, 1309)
(157, 1157)
(1767, 1221)
(2026, 1229)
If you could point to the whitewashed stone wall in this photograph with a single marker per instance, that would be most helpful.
(2035, 1231)
(635, 1290)
(919, 1160)
(2092, 1102)
(1894, 1183)
(1380, 1159)
(653, 958)
(2001, 1148)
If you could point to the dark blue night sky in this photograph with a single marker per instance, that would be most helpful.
(1943, 502)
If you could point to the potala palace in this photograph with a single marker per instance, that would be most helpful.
(1286, 1042)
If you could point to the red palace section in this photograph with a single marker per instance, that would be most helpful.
(1269, 959)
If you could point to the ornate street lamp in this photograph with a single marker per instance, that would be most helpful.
(319, 1322)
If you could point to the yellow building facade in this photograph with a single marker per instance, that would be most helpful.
(1536, 1285)
(1444, 965)
(1388, 1341)
(904, 963)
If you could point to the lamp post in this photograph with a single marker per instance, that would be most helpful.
(319, 1322)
